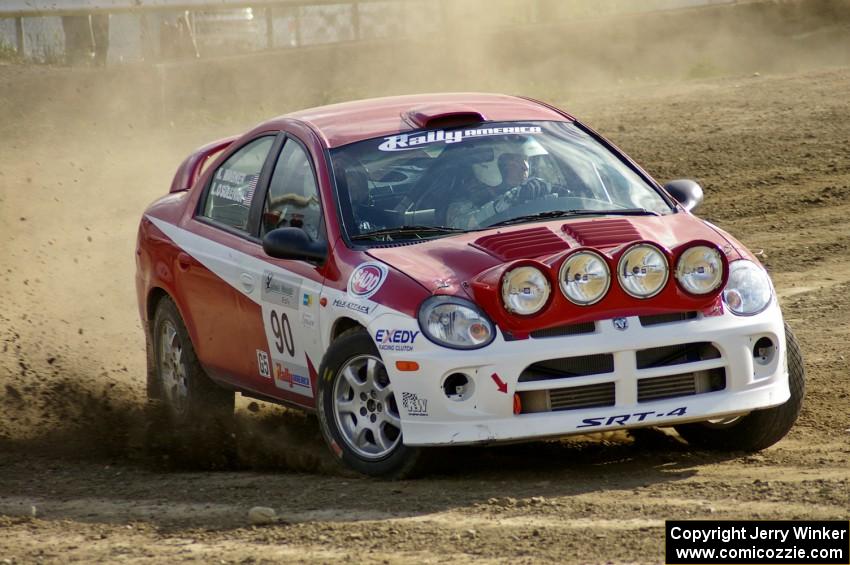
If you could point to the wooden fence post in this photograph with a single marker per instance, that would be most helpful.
(269, 27)
(355, 19)
(19, 35)
(297, 26)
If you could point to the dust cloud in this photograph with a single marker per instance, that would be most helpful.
(83, 151)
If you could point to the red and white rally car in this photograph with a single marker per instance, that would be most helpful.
(455, 269)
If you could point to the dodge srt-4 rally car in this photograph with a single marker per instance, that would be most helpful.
(454, 269)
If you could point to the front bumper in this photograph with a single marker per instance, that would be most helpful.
(633, 389)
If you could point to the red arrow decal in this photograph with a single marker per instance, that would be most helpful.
(500, 384)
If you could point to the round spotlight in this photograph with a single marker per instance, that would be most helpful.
(584, 278)
(643, 271)
(700, 269)
(525, 290)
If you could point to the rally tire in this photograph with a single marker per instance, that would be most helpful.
(761, 428)
(190, 417)
(353, 355)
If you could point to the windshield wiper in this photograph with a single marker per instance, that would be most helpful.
(408, 230)
(570, 213)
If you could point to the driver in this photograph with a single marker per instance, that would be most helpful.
(515, 181)
(483, 202)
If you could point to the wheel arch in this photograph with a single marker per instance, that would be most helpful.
(155, 294)
(342, 325)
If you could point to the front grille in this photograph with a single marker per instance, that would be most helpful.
(676, 355)
(567, 367)
(560, 331)
(699, 369)
(576, 397)
(570, 398)
(687, 384)
(659, 319)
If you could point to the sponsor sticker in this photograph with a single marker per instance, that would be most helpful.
(307, 299)
(278, 291)
(308, 320)
(263, 363)
(414, 405)
(285, 379)
(396, 340)
(406, 141)
(367, 279)
(234, 186)
(362, 307)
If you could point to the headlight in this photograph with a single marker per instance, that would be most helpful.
(700, 269)
(643, 271)
(525, 290)
(749, 290)
(455, 322)
(584, 278)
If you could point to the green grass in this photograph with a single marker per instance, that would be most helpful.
(8, 52)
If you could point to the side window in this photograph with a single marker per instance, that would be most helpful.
(234, 183)
(293, 199)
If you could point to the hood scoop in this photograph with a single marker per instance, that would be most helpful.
(522, 244)
(602, 233)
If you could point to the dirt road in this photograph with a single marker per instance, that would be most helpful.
(772, 153)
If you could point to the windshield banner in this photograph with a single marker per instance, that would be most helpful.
(406, 141)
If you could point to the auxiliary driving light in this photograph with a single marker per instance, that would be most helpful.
(700, 269)
(584, 278)
(643, 271)
(525, 290)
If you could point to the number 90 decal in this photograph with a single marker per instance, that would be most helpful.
(282, 332)
(281, 302)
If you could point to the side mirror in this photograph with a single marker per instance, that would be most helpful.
(686, 192)
(293, 243)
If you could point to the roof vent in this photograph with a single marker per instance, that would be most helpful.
(440, 116)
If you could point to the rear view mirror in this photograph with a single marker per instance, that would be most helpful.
(688, 193)
(293, 243)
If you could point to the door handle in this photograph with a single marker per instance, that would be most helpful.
(184, 261)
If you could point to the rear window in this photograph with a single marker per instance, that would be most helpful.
(234, 183)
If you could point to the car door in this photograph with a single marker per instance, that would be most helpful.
(216, 243)
(289, 289)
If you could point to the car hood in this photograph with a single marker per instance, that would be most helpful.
(444, 265)
(472, 264)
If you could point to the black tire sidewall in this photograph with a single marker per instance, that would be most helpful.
(207, 402)
(351, 344)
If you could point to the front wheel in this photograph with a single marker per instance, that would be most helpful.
(760, 428)
(358, 412)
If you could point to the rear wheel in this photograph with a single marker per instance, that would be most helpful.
(192, 416)
(358, 412)
(758, 429)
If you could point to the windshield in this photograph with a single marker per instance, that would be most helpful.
(427, 184)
